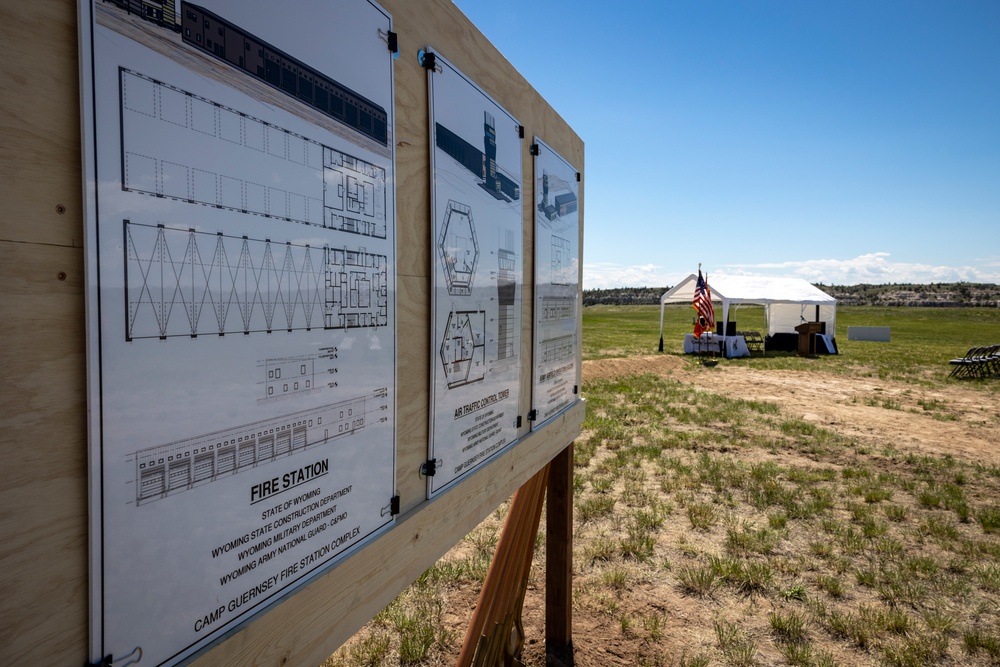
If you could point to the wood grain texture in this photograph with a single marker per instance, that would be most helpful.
(39, 123)
(43, 493)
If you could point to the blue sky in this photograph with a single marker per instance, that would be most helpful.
(841, 141)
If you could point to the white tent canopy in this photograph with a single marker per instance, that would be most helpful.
(787, 302)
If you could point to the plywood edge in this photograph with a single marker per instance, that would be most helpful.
(389, 563)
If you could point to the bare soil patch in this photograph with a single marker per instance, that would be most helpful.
(880, 413)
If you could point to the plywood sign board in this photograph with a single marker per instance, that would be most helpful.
(556, 370)
(255, 235)
(477, 274)
(241, 294)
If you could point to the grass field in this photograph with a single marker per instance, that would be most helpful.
(714, 528)
(923, 339)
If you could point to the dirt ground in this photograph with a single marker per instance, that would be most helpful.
(854, 407)
(850, 406)
(882, 415)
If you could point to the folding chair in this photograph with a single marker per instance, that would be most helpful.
(992, 368)
(982, 366)
(963, 364)
(976, 363)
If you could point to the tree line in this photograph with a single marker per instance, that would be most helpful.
(940, 295)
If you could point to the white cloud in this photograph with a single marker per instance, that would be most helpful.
(874, 268)
(604, 275)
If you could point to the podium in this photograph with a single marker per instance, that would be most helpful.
(807, 337)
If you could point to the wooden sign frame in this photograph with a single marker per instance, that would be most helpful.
(44, 523)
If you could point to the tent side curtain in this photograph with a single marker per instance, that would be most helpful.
(784, 317)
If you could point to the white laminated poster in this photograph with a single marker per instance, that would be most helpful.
(556, 372)
(240, 249)
(477, 267)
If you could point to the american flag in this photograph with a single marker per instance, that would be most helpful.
(703, 304)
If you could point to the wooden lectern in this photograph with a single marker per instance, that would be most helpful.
(807, 337)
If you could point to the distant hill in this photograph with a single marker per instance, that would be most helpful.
(941, 295)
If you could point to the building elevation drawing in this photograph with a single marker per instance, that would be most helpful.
(182, 465)
(173, 145)
(180, 282)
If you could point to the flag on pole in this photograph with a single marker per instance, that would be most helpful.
(703, 304)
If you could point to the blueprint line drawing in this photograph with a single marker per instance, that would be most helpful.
(563, 262)
(506, 295)
(287, 377)
(463, 348)
(356, 289)
(557, 349)
(182, 282)
(177, 466)
(554, 308)
(173, 143)
(458, 248)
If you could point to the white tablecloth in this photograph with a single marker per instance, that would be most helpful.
(729, 346)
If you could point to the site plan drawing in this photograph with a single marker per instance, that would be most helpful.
(240, 250)
(556, 373)
(477, 276)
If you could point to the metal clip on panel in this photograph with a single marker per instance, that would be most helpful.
(109, 661)
(428, 61)
(392, 40)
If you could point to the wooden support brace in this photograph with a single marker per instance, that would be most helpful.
(559, 555)
(495, 636)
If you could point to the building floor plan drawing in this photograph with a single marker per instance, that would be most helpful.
(555, 350)
(458, 248)
(175, 145)
(463, 348)
(353, 194)
(356, 289)
(180, 282)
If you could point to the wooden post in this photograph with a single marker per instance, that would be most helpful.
(559, 555)
(497, 617)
